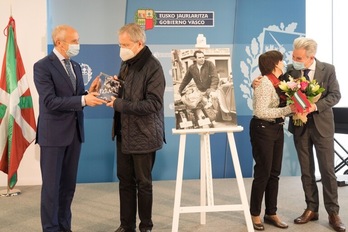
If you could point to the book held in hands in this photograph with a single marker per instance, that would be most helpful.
(109, 86)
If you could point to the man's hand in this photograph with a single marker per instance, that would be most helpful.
(95, 86)
(111, 103)
(256, 82)
(92, 100)
(312, 108)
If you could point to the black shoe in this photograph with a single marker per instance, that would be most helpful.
(145, 230)
(121, 229)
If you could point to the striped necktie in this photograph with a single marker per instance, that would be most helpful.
(70, 73)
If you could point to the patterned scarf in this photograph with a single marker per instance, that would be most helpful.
(275, 82)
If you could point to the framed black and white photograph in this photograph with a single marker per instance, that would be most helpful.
(203, 88)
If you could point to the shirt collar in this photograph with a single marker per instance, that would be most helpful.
(312, 67)
(60, 56)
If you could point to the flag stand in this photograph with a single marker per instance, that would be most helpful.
(10, 192)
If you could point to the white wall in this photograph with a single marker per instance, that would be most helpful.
(325, 22)
(30, 17)
(339, 47)
(319, 27)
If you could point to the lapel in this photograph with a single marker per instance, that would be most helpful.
(319, 71)
(59, 66)
(78, 75)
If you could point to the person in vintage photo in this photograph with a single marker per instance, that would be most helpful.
(202, 97)
(203, 73)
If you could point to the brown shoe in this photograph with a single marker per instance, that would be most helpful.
(336, 223)
(257, 223)
(308, 215)
(274, 220)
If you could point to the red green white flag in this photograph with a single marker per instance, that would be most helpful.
(17, 120)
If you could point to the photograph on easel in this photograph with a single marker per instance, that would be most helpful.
(203, 88)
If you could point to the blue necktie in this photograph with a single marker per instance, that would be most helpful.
(70, 73)
(305, 74)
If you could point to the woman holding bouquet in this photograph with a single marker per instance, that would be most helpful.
(267, 139)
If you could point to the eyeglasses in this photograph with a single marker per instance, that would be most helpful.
(121, 45)
(72, 42)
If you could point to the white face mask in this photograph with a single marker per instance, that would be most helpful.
(126, 54)
(73, 50)
(298, 65)
(284, 69)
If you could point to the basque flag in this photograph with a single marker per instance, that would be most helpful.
(301, 102)
(17, 121)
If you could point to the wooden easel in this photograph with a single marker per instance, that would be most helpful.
(206, 180)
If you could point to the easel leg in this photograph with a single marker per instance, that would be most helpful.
(178, 186)
(207, 193)
(202, 177)
(240, 182)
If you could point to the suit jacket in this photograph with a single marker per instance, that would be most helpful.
(60, 108)
(323, 118)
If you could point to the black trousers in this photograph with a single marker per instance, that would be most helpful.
(135, 188)
(267, 141)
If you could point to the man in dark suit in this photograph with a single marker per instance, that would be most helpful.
(318, 132)
(60, 131)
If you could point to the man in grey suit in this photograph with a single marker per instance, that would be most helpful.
(60, 132)
(318, 132)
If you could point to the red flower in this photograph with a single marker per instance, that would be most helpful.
(304, 85)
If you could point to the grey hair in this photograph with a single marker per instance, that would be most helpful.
(135, 31)
(59, 33)
(307, 44)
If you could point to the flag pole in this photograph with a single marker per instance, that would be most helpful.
(9, 192)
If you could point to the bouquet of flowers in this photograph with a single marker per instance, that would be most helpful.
(301, 93)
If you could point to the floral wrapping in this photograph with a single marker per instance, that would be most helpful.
(300, 92)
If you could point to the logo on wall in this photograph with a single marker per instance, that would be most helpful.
(271, 38)
(145, 18)
(148, 18)
(86, 73)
